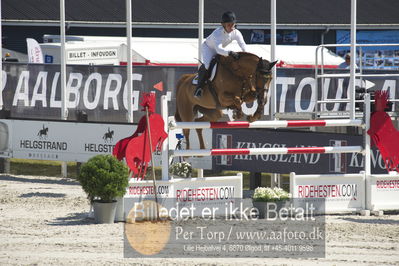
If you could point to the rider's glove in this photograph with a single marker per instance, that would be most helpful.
(235, 55)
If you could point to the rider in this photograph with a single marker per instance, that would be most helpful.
(216, 43)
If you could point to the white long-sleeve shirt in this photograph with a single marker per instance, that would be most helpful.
(219, 39)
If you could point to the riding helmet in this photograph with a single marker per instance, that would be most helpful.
(229, 17)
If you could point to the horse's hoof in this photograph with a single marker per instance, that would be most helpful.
(237, 116)
(251, 118)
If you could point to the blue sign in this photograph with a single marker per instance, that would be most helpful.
(48, 59)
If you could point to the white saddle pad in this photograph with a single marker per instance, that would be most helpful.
(195, 80)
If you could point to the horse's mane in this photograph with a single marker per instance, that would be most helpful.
(243, 56)
(247, 54)
(234, 65)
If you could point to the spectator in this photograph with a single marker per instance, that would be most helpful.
(347, 63)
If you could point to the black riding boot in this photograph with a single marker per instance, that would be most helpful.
(201, 81)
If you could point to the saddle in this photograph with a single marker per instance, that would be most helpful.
(212, 70)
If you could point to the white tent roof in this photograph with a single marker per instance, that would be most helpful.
(184, 51)
(180, 51)
(297, 55)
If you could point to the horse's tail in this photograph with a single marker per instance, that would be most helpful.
(177, 115)
(178, 85)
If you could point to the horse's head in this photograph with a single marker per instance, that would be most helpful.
(245, 68)
(264, 73)
(254, 72)
(252, 65)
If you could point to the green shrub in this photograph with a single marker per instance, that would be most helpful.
(270, 194)
(105, 177)
(182, 169)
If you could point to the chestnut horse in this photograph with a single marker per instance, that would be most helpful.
(236, 81)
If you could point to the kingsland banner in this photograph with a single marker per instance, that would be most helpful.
(33, 91)
(285, 163)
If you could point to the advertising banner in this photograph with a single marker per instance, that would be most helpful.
(341, 193)
(100, 92)
(35, 54)
(34, 91)
(285, 163)
(65, 141)
(213, 192)
(383, 192)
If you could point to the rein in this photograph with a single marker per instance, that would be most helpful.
(247, 80)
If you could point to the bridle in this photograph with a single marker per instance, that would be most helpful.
(262, 72)
(247, 80)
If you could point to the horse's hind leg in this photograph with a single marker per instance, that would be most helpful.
(185, 113)
(186, 133)
(211, 115)
(200, 138)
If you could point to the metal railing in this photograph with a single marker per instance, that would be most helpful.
(357, 73)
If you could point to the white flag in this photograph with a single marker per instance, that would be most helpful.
(35, 54)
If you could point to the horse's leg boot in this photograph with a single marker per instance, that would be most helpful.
(202, 75)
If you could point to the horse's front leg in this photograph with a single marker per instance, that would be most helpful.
(237, 114)
(261, 99)
(230, 99)
(234, 102)
(237, 107)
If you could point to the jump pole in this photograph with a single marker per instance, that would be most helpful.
(264, 151)
(269, 124)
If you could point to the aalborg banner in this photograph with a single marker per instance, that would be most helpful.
(34, 91)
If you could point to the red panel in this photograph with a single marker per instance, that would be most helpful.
(235, 124)
(306, 123)
(307, 150)
(229, 151)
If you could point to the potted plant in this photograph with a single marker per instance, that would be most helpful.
(264, 197)
(182, 169)
(104, 178)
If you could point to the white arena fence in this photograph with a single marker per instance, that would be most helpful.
(383, 192)
(341, 192)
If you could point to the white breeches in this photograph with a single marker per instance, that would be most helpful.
(207, 54)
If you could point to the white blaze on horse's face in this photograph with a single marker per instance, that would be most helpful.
(228, 27)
